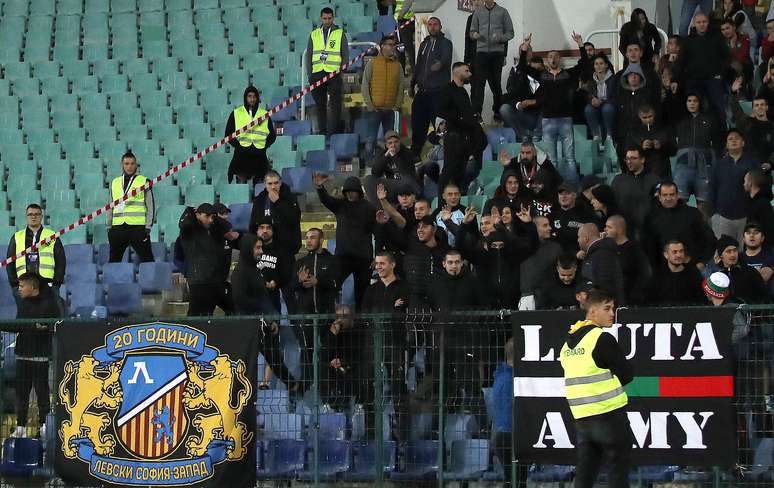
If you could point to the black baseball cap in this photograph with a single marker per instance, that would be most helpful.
(207, 208)
(427, 220)
(584, 285)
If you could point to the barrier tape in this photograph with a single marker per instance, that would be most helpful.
(195, 157)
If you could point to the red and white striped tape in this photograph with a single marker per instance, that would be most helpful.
(195, 157)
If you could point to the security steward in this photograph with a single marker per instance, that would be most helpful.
(326, 51)
(403, 13)
(130, 221)
(595, 370)
(249, 160)
(47, 261)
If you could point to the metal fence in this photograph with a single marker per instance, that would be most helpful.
(396, 401)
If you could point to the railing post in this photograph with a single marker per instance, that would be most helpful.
(441, 401)
(379, 400)
(317, 399)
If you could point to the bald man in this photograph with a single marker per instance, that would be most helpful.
(634, 263)
(600, 264)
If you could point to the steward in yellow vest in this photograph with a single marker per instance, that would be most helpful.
(249, 161)
(595, 370)
(130, 221)
(48, 262)
(326, 51)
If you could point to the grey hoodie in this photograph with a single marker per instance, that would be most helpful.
(494, 27)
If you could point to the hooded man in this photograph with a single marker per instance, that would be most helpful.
(632, 94)
(511, 193)
(276, 263)
(248, 281)
(355, 221)
(249, 161)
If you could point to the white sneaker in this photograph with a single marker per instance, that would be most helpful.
(43, 431)
(20, 431)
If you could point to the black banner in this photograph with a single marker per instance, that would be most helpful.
(156, 404)
(680, 402)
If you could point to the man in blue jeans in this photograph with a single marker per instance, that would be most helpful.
(689, 8)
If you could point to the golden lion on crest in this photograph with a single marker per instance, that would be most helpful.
(100, 389)
(213, 390)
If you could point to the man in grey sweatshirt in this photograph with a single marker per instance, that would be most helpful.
(491, 28)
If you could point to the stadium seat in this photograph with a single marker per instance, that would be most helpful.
(78, 273)
(299, 179)
(240, 216)
(282, 458)
(334, 458)
(365, 460)
(271, 401)
(234, 193)
(124, 298)
(332, 426)
(320, 161)
(344, 145)
(117, 273)
(421, 461)
(21, 456)
(155, 277)
(85, 295)
(297, 128)
(79, 254)
(469, 459)
(283, 426)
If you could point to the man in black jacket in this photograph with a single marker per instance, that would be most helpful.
(315, 277)
(655, 141)
(560, 290)
(248, 281)
(355, 221)
(464, 136)
(673, 283)
(634, 264)
(704, 57)
(279, 204)
(33, 349)
(423, 261)
(432, 72)
(276, 263)
(33, 233)
(759, 204)
(394, 168)
(758, 130)
(534, 269)
(746, 283)
(201, 236)
(567, 217)
(634, 189)
(520, 110)
(600, 262)
(672, 220)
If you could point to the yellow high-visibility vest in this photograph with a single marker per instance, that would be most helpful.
(398, 7)
(132, 211)
(590, 390)
(326, 56)
(46, 262)
(257, 135)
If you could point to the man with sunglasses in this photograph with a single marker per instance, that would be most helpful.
(47, 261)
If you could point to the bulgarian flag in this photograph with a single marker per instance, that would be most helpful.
(641, 386)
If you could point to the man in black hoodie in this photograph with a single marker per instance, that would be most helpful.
(249, 160)
(276, 263)
(655, 142)
(600, 264)
(431, 73)
(202, 234)
(33, 349)
(355, 221)
(248, 281)
(278, 203)
(520, 110)
(530, 164)
(315, 276)
(673, 283)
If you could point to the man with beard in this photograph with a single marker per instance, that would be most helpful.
(276, 264)
(531, 163)
(464, 136)
(423, 262)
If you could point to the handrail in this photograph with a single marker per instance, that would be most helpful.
(303, 70)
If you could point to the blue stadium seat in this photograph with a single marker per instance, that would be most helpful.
(386, 25)
(550, 473)
(364, 460)
(79, 253)
(333, 426)
(297, 128)
(334, 458)
(283, 426)
(21, 456)
(299, 179)
(155, 277)
(459, 427)
(117, 273)
(103, 254)
(344, 145)
(469, 459)
(240, 216)
(282, 458)
(123, 298)
(271, 401)
(320, 160)
(84, 296)
(421, 461)
(83, 272)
